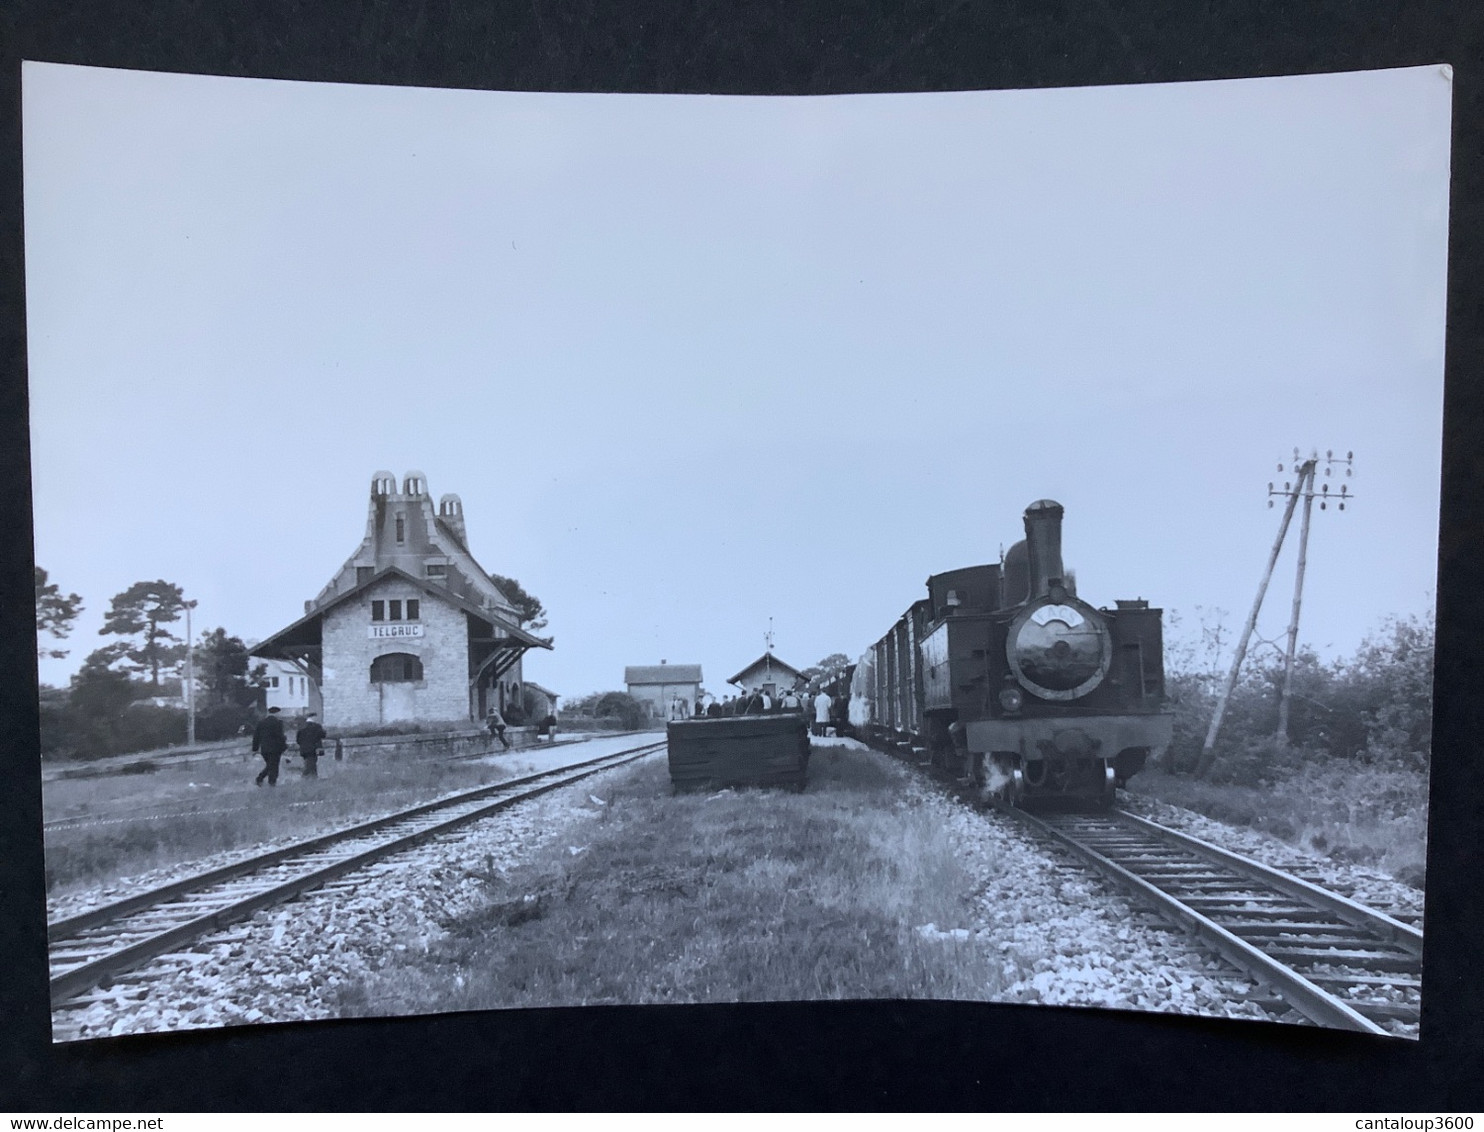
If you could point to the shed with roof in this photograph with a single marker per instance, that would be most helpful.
(658, 685)
(768, 674)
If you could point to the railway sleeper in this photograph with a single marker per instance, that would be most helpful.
(1279, 929)
(1366, 981)
(1272, 912)
(1386, 1011)
(1364, 960)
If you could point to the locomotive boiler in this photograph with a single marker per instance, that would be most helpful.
(1005, 675)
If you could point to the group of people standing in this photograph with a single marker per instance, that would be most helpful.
(270, 740)
(763, 702)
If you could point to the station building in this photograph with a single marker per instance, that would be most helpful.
(657, 685)
(411, 628)
(768, 674)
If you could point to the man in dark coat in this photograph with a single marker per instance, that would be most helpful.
(496, 725)
(269, 741)
(310, 739)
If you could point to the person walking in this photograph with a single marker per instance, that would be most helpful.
(496, 724)
(822, 704)
(310, 739)
(269, 741)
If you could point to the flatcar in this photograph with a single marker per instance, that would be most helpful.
(740, 750)
(1004, 675)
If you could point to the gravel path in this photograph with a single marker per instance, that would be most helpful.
(296, 956)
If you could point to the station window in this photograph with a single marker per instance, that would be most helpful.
(273, 681)
(396, 668)
(437, 570)
(401, 529)
(393, 610)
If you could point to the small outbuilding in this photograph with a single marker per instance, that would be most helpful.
(658, 686)
(768, 674)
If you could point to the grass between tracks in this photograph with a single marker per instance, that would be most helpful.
(136, 822)
(739, 896)
(1365, 815)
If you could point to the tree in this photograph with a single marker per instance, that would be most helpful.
(96, 704)
(527, 608)
(223, 670)
(818, 675)
(142, 611)
(55, 612)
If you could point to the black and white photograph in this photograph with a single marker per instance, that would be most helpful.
(499, 550)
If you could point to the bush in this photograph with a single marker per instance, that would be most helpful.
(607, 709)
(222, 721)
(1374, 707)
(147, 727)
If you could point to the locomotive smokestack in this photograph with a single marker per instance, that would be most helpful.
(1043, 544)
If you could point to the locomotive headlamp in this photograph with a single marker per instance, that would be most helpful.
(1011, 699)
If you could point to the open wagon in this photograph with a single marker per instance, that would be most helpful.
(742, 750)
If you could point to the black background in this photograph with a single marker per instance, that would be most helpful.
(847, 1055)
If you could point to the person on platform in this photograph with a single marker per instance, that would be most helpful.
(822, 704)
(269, 741)
(310, 739)
(791, 702)
(715, 709)
(496, 725)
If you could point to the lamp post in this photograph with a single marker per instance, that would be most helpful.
(190, 678)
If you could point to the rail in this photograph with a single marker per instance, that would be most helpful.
(1336, 962)
(93, 946)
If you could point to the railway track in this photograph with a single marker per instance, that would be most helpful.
(1336, 962)
(92, 948)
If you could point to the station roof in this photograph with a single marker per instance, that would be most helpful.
(662, 674)
(306, 630)
(767, 660)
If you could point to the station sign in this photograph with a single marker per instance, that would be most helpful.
(396, 629)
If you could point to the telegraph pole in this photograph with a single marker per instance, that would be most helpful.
(1303, 485)
(190, 696)
(1342, 497)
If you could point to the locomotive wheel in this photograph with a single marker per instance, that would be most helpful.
(1014, 790)
(1104, 801)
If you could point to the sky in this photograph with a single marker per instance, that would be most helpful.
(699, 366)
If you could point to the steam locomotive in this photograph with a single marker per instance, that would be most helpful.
(1004, 675)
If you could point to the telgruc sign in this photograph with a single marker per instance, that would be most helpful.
(382, 632)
